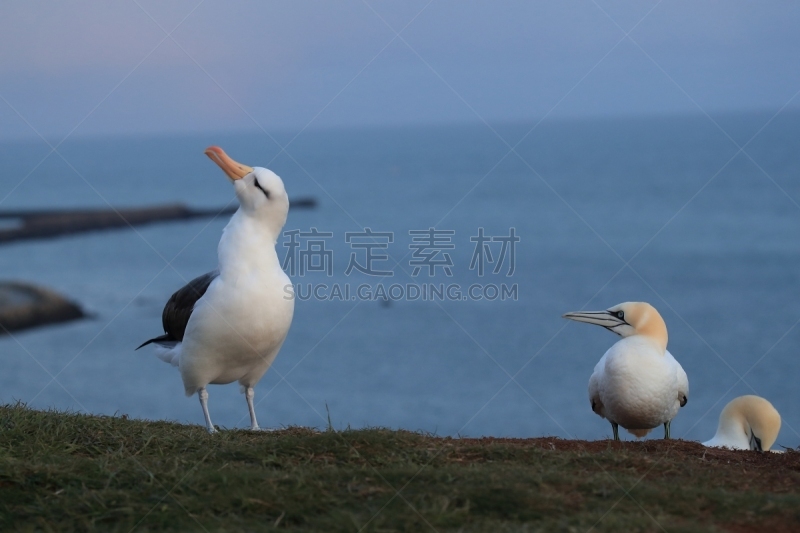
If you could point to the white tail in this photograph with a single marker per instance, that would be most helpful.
(171, 355)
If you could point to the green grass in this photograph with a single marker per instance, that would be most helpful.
(61, 471)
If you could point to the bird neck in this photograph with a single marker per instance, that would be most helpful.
(247, 246)
(654, 329)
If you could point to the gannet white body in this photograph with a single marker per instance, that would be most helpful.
(228, 325)
(747, 423)
(637, 384)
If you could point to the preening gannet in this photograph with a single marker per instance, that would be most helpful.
(229, 324)
(747, 423)
(637, 384)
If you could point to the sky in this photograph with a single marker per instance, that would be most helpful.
(132, 67)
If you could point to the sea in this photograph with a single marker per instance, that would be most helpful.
(432, 276)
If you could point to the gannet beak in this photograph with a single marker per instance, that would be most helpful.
(755, 442)
(234, 170)
(607, 319)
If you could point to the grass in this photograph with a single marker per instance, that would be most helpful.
(63, 471)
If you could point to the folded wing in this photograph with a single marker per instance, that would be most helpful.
(179, 308)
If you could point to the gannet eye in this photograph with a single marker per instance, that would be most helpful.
(620, 315)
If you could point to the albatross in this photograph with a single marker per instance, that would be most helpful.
(637, 384)
(747, 423)
(229, 324)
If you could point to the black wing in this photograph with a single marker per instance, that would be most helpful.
(179, 308)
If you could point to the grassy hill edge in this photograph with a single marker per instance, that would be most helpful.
(66, 471)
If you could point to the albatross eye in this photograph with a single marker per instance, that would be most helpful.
(258, 186)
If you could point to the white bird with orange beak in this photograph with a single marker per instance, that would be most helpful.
(637, 384)
(747, 423)
(229, 324)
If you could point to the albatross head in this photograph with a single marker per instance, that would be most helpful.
(260, 191)
(747, 423)
(627, 319)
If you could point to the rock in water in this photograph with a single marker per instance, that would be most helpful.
(23, 305)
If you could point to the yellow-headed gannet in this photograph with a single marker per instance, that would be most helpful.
(637, 384)
(747, 423)
(229, 324)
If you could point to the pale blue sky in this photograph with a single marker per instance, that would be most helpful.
(285, 64)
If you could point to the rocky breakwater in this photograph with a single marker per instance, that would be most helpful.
(16, 225)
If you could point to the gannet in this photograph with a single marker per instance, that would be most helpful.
(637, 384)
(229, 324)
(747, 423)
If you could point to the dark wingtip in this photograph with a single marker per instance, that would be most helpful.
(155, 339)
(145, 343)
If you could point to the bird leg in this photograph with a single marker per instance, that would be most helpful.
(615, 427)
(249, 393)
(203, 395)
(667, 425)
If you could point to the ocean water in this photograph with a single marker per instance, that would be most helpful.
(664, 210)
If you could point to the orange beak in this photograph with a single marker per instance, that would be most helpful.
(234, 170)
